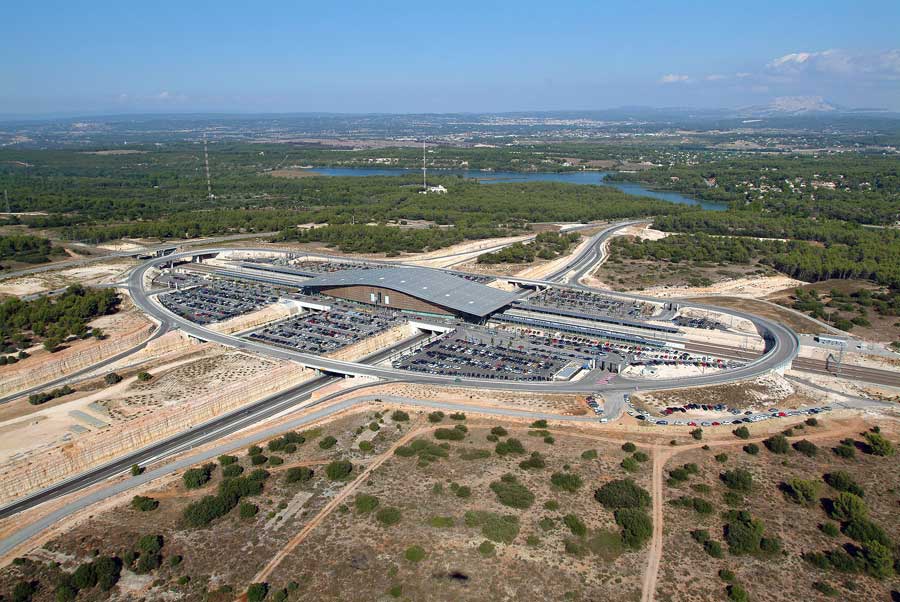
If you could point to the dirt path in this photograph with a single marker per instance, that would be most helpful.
(661, 455)
(295, 541)
(648, 588)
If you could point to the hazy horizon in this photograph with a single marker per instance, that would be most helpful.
(405, 58)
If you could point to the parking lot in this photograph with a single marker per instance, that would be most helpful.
(705, 323)
(487, 354)
(590, 303)
(324, 332)
(218, 300)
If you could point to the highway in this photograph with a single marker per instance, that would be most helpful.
(782, 346)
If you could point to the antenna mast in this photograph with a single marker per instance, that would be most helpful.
(424, 170)
(209, 194)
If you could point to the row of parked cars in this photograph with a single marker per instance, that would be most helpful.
(745, 417)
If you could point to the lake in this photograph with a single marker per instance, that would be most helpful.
(496, 177)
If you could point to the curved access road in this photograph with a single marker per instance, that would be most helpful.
(782, 344)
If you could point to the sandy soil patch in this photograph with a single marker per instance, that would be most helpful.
(753, 288)
(98, 273)
(661, 372)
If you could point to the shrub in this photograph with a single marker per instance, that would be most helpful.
(400, 416)
(637, 526)
(327, 442)
(777, 444)
(535, 461)
(258, 460)
(435, 416)
(589, 454)
(276, 460)
(257, 592)
(622, 493)
(457, 416)
(510, 446)
(830, 529)
(23, 591)
(298, 474)
(414, 553)
(211, 507)
(726, 575)
(227, 460)
(736, 593)
(232, 470)
(549, 440)
(741, 432)
(722, 458)
(863, 530)
(247, 510)
(108, 570)
(640, 456)
(824, 588)
(112, 378)
(629, 464)
(85, 576)
(697, 434)
(575, 525)
(136, 470)
(713, 548)
(499, 431)
(365, 503)
(551, 505)
(254, 450)
(698, 504)
(388, 516)
(567, 481)
(812, 422)
(877, 445)
(575, 547)
(144, 376)
(844, 451)
(463, 491)
(338, 470)
(629, 447)
(879, 560)
(743, 534)
(737, 479)
(847, 507)
(512, 493)
(486, 548)
(144, 504)
(195, 478)
(751, 448)
(800, 491)
(805, 447)
(496, 527)
(366, 446)
(260, 474)
(449, 434)
(539, 424)
(842, 481)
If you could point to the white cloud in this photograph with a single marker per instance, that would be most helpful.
(714, 77)
(674, 78)
(836, 63)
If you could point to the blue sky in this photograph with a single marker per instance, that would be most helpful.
(119, 57)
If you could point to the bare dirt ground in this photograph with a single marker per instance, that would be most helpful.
(98, 273)
(756, 394)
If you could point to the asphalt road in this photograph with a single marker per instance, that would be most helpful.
(782, 345)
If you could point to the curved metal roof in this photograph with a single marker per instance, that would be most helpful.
(434, 286)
